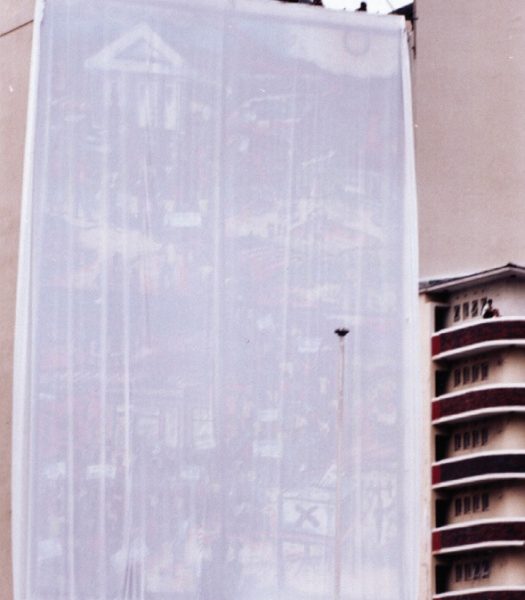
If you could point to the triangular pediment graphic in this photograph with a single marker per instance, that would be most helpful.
(139, 50)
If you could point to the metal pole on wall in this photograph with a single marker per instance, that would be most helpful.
(338, 558)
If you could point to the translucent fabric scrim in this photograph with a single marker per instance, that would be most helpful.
(216, 188)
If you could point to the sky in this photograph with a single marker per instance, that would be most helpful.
(374, 6)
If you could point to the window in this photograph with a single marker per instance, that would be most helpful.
(475, 308)
(476, 570)
(457, 506)
(485, 569)
(484, 437)
(475, 438)
(470, 373)
(467, 504)
(466, 307)
(471, 438)
(457, 312)
(484, 370)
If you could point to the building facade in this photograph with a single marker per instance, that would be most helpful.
(469, 82)
(476, 445)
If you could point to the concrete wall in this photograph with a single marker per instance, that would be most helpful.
(504, 501)
(506, 568)
(503, 433)
(469, 87)
(486, 367)
(504, 367)
(15, 46)
(507, 296)
(512, 367)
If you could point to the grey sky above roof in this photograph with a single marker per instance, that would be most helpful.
(374, 6)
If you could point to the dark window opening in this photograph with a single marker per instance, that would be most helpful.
(441, 378)
(457, 506)
(442, 574)
(484, 437)
(440, 317)
(476, 570)
(457, 312)
(466, 307)
(442, 507)
(442, 446)
(484, 371)
(485, 569)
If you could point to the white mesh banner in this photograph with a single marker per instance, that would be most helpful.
(212, 188)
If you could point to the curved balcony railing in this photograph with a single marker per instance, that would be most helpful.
(478, 401)
(485, 593)
(501, 464)
(484, 334)
(503, 532)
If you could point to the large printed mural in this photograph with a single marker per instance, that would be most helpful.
(216, 187)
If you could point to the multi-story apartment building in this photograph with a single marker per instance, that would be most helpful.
(475, 381)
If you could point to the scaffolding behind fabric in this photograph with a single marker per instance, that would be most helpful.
(212, 188)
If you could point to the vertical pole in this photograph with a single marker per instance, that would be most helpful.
(341, 333)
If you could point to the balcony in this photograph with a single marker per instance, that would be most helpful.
(479, 467)
(479, 535)
(475, 403)
(478, 336)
